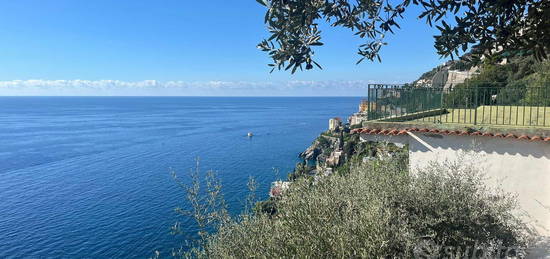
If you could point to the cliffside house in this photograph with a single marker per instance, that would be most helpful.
(334, 123)
(503, 131)
(362, 114)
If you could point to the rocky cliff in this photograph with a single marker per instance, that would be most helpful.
(332, 151)
(448, 74)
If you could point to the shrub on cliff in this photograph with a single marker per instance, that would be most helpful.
(377, 210)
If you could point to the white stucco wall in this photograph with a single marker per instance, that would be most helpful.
(517, 166)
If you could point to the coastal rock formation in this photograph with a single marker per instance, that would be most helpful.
(321, 148)
(311, 152)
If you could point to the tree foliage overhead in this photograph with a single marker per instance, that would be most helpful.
(488, 26)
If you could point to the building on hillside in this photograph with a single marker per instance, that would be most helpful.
(362, 114)
(423, 82)
(335, 158)
(356, 119)
(334, 124)
(364, 106)
(509, 141)
(278, 188)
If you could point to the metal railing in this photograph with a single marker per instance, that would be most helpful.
(514, 106)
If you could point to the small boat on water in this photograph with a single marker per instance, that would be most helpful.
(249, 134)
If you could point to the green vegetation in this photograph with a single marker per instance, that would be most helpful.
(323, 141)
(301, 170)
(430, 74)
(464, 63)
(480, 25)
(376, 210)
(520, 71)
(516, 93)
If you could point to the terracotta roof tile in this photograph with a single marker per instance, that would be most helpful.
(394, 132)
(454, 132)
(523, 137)
(402, 132)
(536, 138)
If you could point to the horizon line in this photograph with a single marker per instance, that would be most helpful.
(210, 96)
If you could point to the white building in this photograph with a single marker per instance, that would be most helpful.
(515, 160)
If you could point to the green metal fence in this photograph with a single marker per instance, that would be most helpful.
(516, 106)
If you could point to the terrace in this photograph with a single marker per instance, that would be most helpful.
(460, 106)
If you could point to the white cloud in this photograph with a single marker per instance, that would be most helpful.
(182, 88)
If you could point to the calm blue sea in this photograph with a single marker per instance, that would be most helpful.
(89, 176)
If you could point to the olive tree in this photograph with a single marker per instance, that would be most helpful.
(485, 26)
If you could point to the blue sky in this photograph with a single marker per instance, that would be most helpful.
(178, 47)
